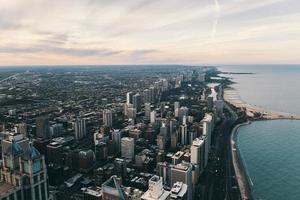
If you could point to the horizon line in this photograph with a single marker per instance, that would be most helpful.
(126, 64)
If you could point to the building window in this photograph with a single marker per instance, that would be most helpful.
(19, 195)
(37, 192)
(12, 197)
(27, 193)
(43, 191)
(35, 179)
(41, 176)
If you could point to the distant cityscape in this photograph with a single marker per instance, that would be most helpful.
(115, 133)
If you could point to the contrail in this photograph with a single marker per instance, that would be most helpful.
(216, 20)
(218, 9)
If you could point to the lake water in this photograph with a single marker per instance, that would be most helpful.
(271, 149)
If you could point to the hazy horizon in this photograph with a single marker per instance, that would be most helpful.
(132, 65)
(99, 32)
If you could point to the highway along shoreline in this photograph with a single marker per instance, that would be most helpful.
(245, 118)
(240, 114)
(240, 170)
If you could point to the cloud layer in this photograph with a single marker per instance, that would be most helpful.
(143, 31)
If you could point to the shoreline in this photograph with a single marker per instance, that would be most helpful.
(253, 113)
(240, 171)
(256, 112)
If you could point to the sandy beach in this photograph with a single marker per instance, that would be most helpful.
(232, 97)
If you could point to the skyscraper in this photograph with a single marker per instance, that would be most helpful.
(164, 171)
(101, 151)
(165, 84)
(219, 107)
(116, 138)
(164, 129)
(23, 173)
(161, 141)
(80, 128)
(197, 153)
(120, 167)
(207, 127)
(147, 96)
(183, 173)
(137, 102)
(107, 118)
(153, 117)
(183, 111)
(56, 130)
(86, 160)
(42, 127)
(129, 97)
(173, 125)
(152, 94)
(127, 148)
(174, 139)
(131, 113)
(176, 105)
(210, 103)
(183, 134)
(147, 110)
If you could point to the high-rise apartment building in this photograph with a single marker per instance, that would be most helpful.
(147, 110)
(147, 96)
(129, 96)
(183, 173)
(183, 134)
(127, 148)
(42, 127)
(107, 118)
(153, 117)
(137, 102)
(116, 138)
(23, 173)
(80, 128)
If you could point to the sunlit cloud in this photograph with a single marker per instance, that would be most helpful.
(143, 31)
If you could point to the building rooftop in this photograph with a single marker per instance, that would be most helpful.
(178, 154)
(182, 166)
(93, 191)
(198, 142)
(179, 189)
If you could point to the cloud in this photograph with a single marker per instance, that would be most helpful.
(59, 50)
(4, 25)
(146, 30)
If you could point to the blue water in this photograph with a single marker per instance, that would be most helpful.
(271, 149)
(275, 87)
(271, 152)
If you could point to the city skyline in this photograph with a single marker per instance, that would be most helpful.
(149, 32)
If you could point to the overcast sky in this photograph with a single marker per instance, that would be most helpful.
(149, 31)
